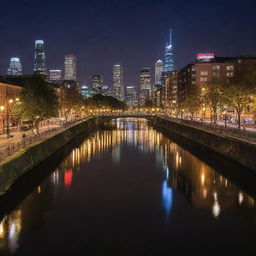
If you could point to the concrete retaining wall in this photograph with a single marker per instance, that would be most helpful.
(23, 161)
(237, 150)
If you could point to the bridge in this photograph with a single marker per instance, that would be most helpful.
(109, 116)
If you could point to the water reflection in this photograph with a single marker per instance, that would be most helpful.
(182, 173)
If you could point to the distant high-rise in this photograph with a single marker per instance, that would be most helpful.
(131, 98)
(70, 68)
(40, 58)
(55, 75)
(117, 83)
(145, 86)
(169, 60)
(145, 81)
(97, 83)
(159, 69)
(15, 68)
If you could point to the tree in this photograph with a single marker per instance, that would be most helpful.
(191, 102)
(70, 100)
(108, 101)
(239, 92)
(238, 96)
(38, 101)
(213, 97)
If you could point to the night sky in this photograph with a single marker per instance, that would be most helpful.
(132, 33)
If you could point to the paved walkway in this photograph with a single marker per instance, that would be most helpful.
(17, 136)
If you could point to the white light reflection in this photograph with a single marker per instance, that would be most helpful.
(240, 198)
(216, 206)
(167, 197)
(13, 236)
(216, 209)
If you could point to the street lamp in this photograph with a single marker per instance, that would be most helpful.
(8, 109)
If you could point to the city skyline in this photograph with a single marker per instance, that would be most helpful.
(124, 42)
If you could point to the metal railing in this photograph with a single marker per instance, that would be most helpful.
(219, 129)
(29, 140)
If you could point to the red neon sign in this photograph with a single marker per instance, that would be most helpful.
(201, 56)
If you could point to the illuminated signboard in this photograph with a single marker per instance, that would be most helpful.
(205, 56)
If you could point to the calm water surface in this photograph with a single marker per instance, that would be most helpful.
(131, 191)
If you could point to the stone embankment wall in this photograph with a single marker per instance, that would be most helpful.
(23, 161)
(240, 151)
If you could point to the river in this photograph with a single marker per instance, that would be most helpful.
(129, 190)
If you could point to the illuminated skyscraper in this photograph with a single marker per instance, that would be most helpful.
(40, 58)
(55, 75)
(145, 82)
(117, 83)
(159, 69)
(97, 83)
(15, 68)
(145, 86)
(169, 60)
(131, 96)
(70, 68)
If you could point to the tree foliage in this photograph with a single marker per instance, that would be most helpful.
(191, 102)
(100, 101)
(38, 101)
(70, 100)
(213, 97)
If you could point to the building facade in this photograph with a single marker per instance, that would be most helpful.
(131, 96)
(170, 91)
(55, 75)
(40, 58)
(70, 68)
(209, 69)
(159, 69)
(86, 91)
(145, 86)
(9, 94)
(117, 83)
(15, 68)
(97, 83)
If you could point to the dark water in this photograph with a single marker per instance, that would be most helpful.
(131, 191)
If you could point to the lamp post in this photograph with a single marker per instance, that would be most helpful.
(8, 110)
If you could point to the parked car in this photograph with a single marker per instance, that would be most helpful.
(25, 127)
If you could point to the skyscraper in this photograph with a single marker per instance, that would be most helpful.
(159, 69)
(40, 58)
(70, 68)
(131, 96)
(145, 86)
(169, 60)
(97, 83)
(117, 83)
(15, 68)
(55, 75)
(145, 81)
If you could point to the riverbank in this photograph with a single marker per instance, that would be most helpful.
(237, 150)
(24, 160)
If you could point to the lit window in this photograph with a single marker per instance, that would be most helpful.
(204, 73)
(216, 67)
(230, 67)
(229, 74)
(203, 79)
